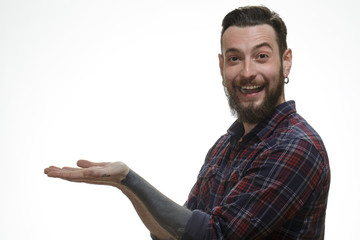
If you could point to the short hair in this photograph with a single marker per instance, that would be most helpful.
(257, 15)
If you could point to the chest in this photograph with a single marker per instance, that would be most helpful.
(224, 169)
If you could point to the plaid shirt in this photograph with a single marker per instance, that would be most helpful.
(272, 184)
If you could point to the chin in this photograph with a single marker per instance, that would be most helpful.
(253, 104)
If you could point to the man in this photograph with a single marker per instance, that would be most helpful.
(267, 178)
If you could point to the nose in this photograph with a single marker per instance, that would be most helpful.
(248, 70)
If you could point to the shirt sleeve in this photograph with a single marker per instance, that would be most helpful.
(153, 237)
(197, 226)
(269, 191)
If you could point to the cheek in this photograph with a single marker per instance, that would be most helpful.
(271, 74)
(229, 77)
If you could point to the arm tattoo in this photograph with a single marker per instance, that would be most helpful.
(170, 215)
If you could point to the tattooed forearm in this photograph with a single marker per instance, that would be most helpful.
(171, 216)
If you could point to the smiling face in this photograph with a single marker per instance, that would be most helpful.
(253, 71)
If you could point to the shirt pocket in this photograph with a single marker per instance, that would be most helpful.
(232, 180)
(208, 171)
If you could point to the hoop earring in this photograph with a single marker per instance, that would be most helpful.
(286, 80)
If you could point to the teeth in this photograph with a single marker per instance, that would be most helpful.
(250, 87)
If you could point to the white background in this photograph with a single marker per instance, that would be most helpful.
(138, 81)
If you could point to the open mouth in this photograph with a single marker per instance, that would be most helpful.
(251, 89)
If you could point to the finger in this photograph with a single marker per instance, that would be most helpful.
(70, 175)
(71, 169)
(80, 174)
(50, 169)
(53, 168)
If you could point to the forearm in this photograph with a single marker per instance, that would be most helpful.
(169, 215)
(145, 216)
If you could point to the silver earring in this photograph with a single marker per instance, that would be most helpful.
(286, 80)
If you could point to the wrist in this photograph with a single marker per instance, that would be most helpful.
(128, 178)
(117, 172)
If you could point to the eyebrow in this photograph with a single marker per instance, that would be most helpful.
(235, 50)
(265, 44)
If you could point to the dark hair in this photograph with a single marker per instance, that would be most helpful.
(257, 15)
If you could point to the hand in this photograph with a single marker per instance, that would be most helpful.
(89, 172)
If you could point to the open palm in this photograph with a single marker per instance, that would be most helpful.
(106, 173)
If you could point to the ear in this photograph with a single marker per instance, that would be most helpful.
(287, 62)
(221, 63)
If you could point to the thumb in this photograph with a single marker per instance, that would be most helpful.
(86, 164)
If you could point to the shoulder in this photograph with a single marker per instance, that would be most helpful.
(295, 128)
(294, 141)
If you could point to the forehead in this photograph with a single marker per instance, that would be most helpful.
(246, 38)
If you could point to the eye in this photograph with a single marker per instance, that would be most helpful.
(262, 57)
(233, 59)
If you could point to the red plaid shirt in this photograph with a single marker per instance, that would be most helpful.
(271, 185)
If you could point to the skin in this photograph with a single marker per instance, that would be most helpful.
(164, 218)
(104, 173)
(250, 58)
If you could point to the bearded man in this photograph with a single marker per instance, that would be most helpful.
(268, 177)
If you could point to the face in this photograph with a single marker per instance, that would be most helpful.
(253, 71)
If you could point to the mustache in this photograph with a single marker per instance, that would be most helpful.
(245, 82)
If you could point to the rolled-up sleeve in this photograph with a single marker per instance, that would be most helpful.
(197, 226)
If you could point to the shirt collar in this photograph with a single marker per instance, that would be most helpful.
(236, 130)
(281, 112)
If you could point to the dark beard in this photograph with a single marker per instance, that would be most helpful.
(252, 114)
